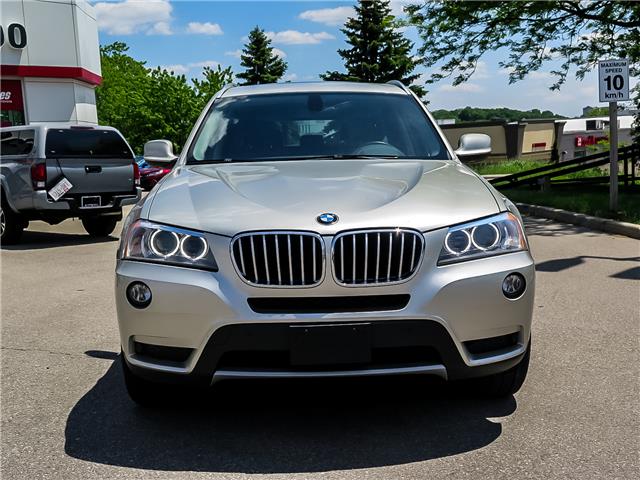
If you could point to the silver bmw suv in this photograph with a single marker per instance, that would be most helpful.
(322, 230)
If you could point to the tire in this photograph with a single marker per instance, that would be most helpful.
(11, 225)
(99, 226)
(143, 392)
(505, 383)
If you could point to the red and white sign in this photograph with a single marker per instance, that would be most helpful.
(11, 95)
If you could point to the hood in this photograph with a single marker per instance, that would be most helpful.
(289, 195)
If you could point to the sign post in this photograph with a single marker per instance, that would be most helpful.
(613, 82)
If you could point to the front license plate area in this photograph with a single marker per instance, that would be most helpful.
(314, 345)
(92, 201)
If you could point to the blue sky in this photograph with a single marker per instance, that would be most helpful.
(186, 35)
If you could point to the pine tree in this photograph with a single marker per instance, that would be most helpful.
(379, 52)
(261, 64)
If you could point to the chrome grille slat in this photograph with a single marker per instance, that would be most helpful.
(243, 270)
(289, 259)
(278, 259)
(253, 257)
(302, 256)
(266, 262)
(390, 256)
(394, 255)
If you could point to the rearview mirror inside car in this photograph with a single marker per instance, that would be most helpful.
(474, 145)
(160, 152)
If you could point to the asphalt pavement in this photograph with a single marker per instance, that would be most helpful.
(65, 412)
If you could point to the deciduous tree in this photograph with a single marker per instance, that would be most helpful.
(572, 35)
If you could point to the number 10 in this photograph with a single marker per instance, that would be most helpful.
(618, 82)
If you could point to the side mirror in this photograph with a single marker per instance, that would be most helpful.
(159, 151)
(474, 145)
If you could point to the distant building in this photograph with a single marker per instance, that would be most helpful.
(580, 135)
(50, 62)
(541, 139)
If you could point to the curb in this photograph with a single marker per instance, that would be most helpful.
(631, 230)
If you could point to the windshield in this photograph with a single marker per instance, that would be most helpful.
(310, 125)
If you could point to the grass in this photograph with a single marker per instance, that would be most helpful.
(591, 200)
(506, 167)
(516, 166)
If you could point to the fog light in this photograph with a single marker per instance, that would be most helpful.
(513, 285)
(139, 295)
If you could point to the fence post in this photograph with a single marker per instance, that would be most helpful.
(625, 155)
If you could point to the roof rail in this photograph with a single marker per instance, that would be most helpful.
(398, 83)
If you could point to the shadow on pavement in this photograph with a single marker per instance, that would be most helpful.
(282, 427)
(559, 264)
(33, 240)
(552, 228)
(632, 273)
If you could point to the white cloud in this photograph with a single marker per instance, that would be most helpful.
(206, 28)
(185, 68)
(130, 16)
(237, 53)
(289, 77)
(233, 53)
(178, 68)
(328, 16)
(205, 63)
(482, 71)
(462, 88)
(160, 28)
(397, 7)
(294, 37)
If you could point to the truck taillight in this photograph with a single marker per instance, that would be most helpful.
(39, 175)
(136, 174)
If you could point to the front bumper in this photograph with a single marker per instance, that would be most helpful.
(207, 314)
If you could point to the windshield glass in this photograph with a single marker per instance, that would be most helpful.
(309, 125)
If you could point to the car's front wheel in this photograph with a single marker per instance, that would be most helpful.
(505, 383)
(99, 226)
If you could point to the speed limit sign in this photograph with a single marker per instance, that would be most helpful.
(613, 79)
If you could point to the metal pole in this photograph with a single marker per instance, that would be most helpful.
(613, 156)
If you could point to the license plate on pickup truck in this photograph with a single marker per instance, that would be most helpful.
(90, 201)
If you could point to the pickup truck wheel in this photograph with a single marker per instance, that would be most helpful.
(11, 225)
(505, 383)
(99, 226)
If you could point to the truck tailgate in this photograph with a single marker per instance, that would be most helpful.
(94, 159)
(93, 175)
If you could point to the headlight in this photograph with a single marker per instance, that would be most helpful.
(483, 238)
(149, 242)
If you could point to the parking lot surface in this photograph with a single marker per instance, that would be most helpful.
(65, 412)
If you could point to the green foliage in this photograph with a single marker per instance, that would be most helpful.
(213, 81)
(379, 52)
(149, 104)
(599, 112)
(261, 64)
(474, 114)
(456, 34)
(122, 99)
(592, 200)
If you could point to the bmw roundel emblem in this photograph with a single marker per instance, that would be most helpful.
(327, 218)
